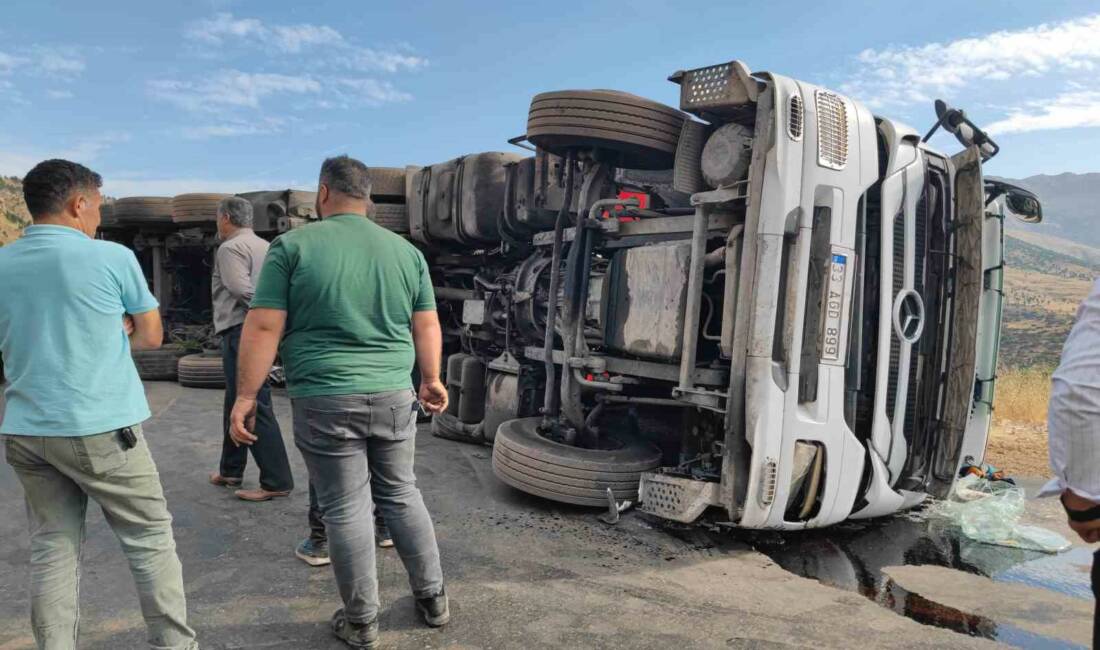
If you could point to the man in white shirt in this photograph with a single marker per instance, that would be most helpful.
(1074, 432)
(236, 269)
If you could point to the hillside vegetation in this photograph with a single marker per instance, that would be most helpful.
(1043, 288)
(13, 212)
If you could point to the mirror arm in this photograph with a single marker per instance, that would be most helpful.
(935, 127)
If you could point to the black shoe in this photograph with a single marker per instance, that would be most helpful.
(434, 609)
(362, 637)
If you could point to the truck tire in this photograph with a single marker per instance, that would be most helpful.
(536, 465)
(202, 371)
(107, 215)
(196, 208)
(158, 365)
(143, 210)
(387, 184)
(392, 217)
(641, 134)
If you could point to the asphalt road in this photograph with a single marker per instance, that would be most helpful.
(521, 572)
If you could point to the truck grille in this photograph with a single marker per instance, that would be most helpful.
(832, 130)
(898, 281)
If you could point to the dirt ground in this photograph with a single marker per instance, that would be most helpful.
(1019, 448)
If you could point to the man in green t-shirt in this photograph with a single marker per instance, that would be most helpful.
(349, 305)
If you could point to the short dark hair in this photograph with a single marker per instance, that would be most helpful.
(51, 183)
(347, 176)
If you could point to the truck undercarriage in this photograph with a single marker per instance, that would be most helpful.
(769, 309)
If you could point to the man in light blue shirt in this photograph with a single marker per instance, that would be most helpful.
(71, 309)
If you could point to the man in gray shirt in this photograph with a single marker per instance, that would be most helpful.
(236, 269)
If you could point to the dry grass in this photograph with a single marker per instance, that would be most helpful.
(1022, 395)
(1018, 439)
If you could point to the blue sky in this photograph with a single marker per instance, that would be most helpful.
(168, 97)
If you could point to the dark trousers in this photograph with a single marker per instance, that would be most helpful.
(268, 451)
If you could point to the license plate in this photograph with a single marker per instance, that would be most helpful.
(832, 338)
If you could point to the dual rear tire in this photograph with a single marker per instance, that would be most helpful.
(531, 463)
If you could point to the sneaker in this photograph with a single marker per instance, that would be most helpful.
(312, 553)
(382, 535)
(353, 634)
(434, 609)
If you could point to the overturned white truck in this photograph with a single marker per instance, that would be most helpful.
(769, 308)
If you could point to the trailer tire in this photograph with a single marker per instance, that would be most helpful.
(531, 463)
(143, 209)
(387, 184)
(392, 217)
(107, 215)
(196, 208)
(202, 371)
(641, 134)
(158, 365)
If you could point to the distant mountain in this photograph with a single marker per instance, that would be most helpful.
(1071, 206)
(13, 212)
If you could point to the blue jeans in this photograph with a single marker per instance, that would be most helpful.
(58, 475)
(359, 450)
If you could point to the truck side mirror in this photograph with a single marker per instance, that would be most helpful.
(1024, 206)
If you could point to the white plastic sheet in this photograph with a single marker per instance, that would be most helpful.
(989, 511)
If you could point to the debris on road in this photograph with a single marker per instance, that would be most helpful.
(989, 511)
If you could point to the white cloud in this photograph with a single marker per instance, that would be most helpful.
(58, 61)
(292, 38)
(387, 60)
(1080, 108)
(372, 91)
(17, 160)
(232, 89)
(42, 61)
(216, 29)
(89, 148)
(9, 63)
(234, 128)
(911, 74)
(237, 97)
(226, 30)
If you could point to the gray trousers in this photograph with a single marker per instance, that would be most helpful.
(58, 475)
(359, 449)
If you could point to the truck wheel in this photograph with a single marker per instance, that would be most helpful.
(196, 208)
(202, 370)
(536, 465)
(392, 217)
(158, 365)
(107, 215)
(387, 184)
(641, 134)
(143, 209)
